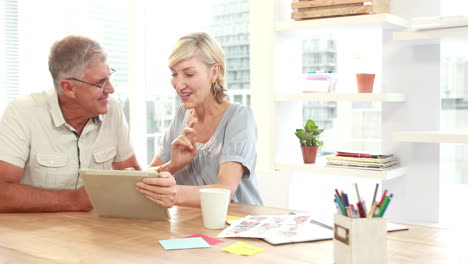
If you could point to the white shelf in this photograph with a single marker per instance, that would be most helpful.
(453, 136)
(386, 20)
(432, 34)
(350, 172)
(376, 97)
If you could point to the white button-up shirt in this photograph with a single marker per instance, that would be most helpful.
(35, 136)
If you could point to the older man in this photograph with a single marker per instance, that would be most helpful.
(47, 137)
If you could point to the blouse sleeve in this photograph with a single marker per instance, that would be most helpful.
(240, 140)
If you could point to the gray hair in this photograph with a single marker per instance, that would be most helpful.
(203, 45)
(71, 56)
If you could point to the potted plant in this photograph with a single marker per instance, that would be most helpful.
(309, 140)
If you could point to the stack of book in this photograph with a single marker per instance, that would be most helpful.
(362, 160)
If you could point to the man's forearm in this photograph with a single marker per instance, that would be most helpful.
(16, 197)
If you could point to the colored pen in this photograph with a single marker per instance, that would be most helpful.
(346, 203)
(339, 195)
(364, 207)
(357, 192)
(384, 194)
(361, 212)
(375, 193)
(372, 210)
(345, 199)
(343, 212)
(385, 205)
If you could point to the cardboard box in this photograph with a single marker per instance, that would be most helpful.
(359, 240)
(312, 9)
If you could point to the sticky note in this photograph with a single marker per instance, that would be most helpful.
(243, 249)
(184, 243)
(209, 240)
(232, 218)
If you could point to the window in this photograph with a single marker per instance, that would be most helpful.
(227, 21)
(9, 53)
(138, 36)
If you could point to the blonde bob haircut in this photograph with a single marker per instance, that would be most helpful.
(203, 45)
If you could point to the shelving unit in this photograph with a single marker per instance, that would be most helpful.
(456, 136)
(277, 103)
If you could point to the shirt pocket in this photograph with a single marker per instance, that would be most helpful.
(52, 171)
(104, 157)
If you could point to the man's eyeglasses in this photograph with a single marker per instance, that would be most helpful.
(99, 85)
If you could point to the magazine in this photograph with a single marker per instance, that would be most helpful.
(279, 229)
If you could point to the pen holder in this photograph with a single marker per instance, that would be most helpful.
(359, 240)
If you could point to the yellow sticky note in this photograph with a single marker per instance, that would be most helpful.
(232, 218)
(243, 249)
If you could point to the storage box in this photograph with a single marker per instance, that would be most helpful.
(311, 9)
(359, 240)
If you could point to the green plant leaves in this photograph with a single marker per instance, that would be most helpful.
(309, 136)
(310, 126)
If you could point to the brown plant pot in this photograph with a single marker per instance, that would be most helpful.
(309, 154)
(365, 82)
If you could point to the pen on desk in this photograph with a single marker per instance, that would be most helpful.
(384, 194)
(346, 203)
(357, 192)
(364, 208)
(361, 212)
(375, 193)
(339, 195)
(354, 212)
(372, 210)
(385, 205)
(343, 212)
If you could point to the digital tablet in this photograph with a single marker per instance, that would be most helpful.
(113, 194)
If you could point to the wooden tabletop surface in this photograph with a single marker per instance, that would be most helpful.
(85, 238)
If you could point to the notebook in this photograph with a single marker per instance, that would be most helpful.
(113, 194)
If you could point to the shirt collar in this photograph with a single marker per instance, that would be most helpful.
(54, 108)
(56, 112)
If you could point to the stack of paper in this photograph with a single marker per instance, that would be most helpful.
(362, 160)
(279, 229)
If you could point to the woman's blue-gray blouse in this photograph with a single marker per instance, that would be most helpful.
(234, 140)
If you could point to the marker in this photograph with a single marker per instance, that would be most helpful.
(339, 196)
(384, 194)
(372, 210)
(343, 212)
(357, 192)
(375, 192)
(385, 205)
(361, 212)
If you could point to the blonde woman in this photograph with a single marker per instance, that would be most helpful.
(210, 142)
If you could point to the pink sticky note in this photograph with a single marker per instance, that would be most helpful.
(209, 240)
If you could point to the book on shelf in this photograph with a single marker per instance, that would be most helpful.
(362, 155)
(361, 160)
(377, 166)
(358, 160)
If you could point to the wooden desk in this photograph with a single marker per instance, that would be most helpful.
(46, 238)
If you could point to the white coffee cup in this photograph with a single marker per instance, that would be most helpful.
(214, 204)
